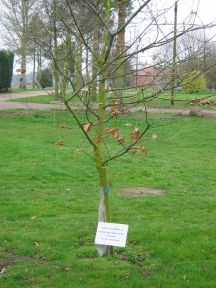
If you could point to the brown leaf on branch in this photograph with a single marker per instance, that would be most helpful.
(98, 139)
(59, 143)
(144, 150)
(133, 97)
(113, 132)
(121, 140)
(135, 135)
(135, 149)
(115, 101)
(139, 149)
(114, 110)
(87, 127)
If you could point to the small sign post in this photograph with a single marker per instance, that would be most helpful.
(111, 234)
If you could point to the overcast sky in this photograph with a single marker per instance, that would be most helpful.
(199, 12)
(205, 9)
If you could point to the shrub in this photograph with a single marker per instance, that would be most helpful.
(193, 81)
(45, 78)
(6, 69)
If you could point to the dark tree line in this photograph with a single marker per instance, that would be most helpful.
(6, 69)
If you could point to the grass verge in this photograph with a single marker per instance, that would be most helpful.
(49, 198)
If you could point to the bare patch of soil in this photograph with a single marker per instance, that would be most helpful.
(12, 260)
(141, 192)
(6, 263)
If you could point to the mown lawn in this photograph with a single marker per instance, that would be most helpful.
(182, 99)
(49, 202)
(16, 88)
(44, 99)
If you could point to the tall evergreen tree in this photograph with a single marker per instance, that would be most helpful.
(6, 69)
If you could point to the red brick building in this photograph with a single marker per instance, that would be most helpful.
(150, 77)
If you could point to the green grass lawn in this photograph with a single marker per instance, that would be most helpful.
(44, 99)
(16, 89)
(181, 100)
(49, 199)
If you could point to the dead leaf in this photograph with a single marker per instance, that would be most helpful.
(133, 97)
(121, 140)
(139, 149)
(135, 149)
(144, 150)
(113, 132)
(33, 217)
(154, 136)
(128, 125)
(67, 269)
(36, 245)
(115, 101)
(87, 127)
(135, 135)
(63, 125)
(59, 142)
(98, 139)
(114, 110)
(78, 149)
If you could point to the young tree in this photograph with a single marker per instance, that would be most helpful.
(45, 78)
(193, 81)
(101, 126)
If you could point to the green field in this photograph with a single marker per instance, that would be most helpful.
(16, 89)
(49, 198)
(44, 99)
(182, 99)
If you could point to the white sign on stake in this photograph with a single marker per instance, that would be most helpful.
(111, 234)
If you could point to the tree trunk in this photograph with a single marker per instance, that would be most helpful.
(78, 65)
(64, 78)
(38, 67)
(34, 70)
(120, 73)
(24, 42)
(104, 189)
(95, 59)
(104, 206)
(87, 64)
(55, 53)
(55, 69)
(22, 84)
